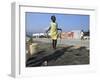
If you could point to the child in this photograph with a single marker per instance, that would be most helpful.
(53, 31)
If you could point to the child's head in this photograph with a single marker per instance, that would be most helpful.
(53, 18)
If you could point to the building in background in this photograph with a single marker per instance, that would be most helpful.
(77, 34)
(74, 34)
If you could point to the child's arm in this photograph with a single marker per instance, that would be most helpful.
(59, 29)
(48, 30)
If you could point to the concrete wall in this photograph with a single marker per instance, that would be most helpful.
(75, 34)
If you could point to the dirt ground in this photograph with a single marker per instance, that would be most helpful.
(63, 55)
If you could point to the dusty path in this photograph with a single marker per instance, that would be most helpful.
(63, 55)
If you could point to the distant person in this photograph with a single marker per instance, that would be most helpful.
(82, 35)
(53, 31)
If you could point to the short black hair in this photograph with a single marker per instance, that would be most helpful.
(53, 18)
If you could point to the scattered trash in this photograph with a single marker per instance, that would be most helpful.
(45, 63)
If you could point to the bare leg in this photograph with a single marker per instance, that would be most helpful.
(55, 43)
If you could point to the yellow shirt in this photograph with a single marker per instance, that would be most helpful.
(53, 30)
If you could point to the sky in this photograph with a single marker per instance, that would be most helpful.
(39, 22)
